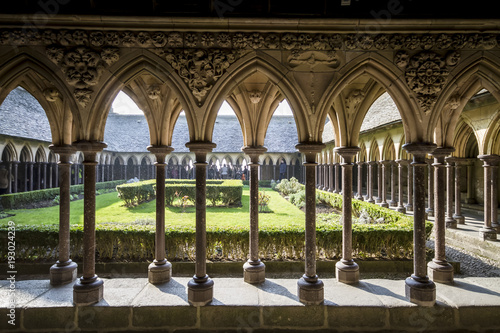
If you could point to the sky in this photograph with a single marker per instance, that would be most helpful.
(124, 105)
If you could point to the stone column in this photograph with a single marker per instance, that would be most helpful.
(430, 189)
(471, 197)
(359, 196)
(16, 175)
(325, 173)
(458, 205)
(450, 221)
(64, 270)
(487, 231)
(392, 168)
(310, 288)
(439, 269)
(30, 175)
(51, 170)
(379, 182)
(160, 270)
(347, 271)
(370, 182)
(200, 287)
(89, 288)
(383, 202)
(418, 288)
(57, 177)
(39, 180)
(44, 172)
(337, 187)
(9, 167)
(254, 271)
(401, 208)
(318, 176)
(331, 186)
(494, 197)
(409, 205)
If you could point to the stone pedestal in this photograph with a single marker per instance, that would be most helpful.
(88, 291)
(63, 273)
(420, 292)
(200, 291)
(441, 272)
(347, 271)
(159, 272)
(310, 291)
(254, 272)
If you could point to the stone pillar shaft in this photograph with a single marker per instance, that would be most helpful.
(64, 271)
(494, 198)
(450, 193)
(470, 199)
(458, 205)
(430, 189)
(360, 179)
(439, 269)
(370, 181)
(89, 288)
(337, 187)
(309, 288)
(409, 205)
(392, 169)
(419, 289)
(160, 270)
(490, 163)
(347, 271)
(401, 208)
(330, 177)
(383, 183)
(254, 269)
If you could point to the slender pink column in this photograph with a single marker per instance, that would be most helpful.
(310, 288)
(160, 270)
(347, 271)
(392, 169)
(200, 287)
(409, 205)
(89, 288)
(370, 181)
(439, 269)
(458, 197)
(254, 271)
(359, 195)
(383, 182)
(401, 208)
(430, 188)
(450, 221)
(487, 232)
(64, 270)
(419, 288)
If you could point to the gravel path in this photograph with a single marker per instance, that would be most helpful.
(470, 263)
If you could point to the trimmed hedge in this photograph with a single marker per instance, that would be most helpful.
(227, 192)
(262, 183)
(18, 200)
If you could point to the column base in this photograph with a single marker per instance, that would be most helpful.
(310, 293)
(383, 204)
(429, 212)
(371, 200)
(62, 273)
(200, 293)
(450, 223)
(254, 272)
(496, 227)
(393, 203)
(409, 208)
(347, 272)
(86, 292)
(401, 209)
(440, 271)
(487, 234)
(159, 273)
(459, 218)
(420, 292)
(360, 198)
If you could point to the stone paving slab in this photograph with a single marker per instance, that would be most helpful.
(372, 305)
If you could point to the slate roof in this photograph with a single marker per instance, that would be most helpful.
(383, 111)
(21, 115)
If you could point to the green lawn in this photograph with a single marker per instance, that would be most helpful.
(109, 208)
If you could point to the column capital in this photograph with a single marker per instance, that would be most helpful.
(490, 160)
(360, 162)
(310, 149)
(89, 149)
(200, 149)
(384, 162)
(61, 150)
(347, 151)
(402, 162)
(371, 162)
(420, 148)
(160, 152)
(254, 152)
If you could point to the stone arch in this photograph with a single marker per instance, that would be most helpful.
(362, 153)
(374, 151)
(26, 154)
(463, 133)
(40, 155)
(9, 153)
(125, 71)
(28, 70)
(277, 74)
(492, 138)
(388, 150)
(479, 72)
(385, 74)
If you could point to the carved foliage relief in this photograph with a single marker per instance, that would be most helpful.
(426, 74)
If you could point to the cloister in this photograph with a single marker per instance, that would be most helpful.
(329, 70)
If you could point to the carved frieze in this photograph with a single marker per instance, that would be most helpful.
(249, 40)
(426, 73)
(200, 69)
(82, 66)
(312, 59)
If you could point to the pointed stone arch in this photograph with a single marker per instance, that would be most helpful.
(28, 70)
(125, 72)
(386, 76)
(10, 152)
(375, 151)
(277, 73)
(388, 149)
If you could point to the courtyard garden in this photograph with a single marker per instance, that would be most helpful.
(125, 224)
